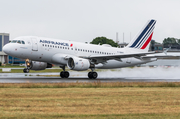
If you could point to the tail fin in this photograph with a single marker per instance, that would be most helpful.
(142, 40)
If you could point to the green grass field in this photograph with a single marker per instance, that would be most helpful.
(90, 100)
(56, 69)
(32, 71)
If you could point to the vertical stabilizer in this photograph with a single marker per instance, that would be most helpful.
(142, 40)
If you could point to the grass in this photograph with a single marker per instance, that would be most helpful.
(42, 71)
(90, 100)
(12, 66)
(56, 69)
(96, 84)
(32, 71)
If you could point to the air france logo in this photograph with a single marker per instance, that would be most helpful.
(54, 43)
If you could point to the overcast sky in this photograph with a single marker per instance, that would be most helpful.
(84, 20)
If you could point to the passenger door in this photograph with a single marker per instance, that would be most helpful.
(34, 44)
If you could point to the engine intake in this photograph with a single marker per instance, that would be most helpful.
(78, 64)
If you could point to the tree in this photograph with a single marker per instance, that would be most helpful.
(152, 45)
(104, 40)
(171, 42)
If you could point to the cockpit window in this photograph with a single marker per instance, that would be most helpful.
(14, 41)
(23, 42)
(18, 41)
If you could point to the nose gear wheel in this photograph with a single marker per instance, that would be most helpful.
(26, 70)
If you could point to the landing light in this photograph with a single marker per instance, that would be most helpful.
(28, 64)
(27, 60)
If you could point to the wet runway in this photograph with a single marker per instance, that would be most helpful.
(70, 80)
(137, 74)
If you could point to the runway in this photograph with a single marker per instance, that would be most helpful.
(71, 80)
(137, 74)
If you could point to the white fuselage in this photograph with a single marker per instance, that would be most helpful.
(45, 49)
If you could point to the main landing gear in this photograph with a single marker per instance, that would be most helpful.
(64, 74)
(92, 74)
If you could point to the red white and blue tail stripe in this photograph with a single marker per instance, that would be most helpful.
(142, 40)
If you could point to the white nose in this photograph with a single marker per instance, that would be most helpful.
(6, 49)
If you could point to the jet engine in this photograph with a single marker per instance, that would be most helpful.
(78, 64)
(34, 65)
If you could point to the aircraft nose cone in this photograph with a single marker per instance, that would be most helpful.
(6, 49)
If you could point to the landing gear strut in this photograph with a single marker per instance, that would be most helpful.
(28, 65)
(64, 74)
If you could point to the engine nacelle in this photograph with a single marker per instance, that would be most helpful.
(78, 64)
(34, 65)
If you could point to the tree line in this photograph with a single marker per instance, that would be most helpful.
(167, 42)
(171, 42)
(104, 40)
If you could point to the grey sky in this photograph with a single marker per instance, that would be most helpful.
(83, 20)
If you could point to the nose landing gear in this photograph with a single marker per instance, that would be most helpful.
(28, 65)
(26, 70)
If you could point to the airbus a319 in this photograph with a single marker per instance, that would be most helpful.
(40, 53)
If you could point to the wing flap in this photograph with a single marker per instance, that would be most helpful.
(161, 57)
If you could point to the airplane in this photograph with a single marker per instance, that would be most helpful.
(40, 53)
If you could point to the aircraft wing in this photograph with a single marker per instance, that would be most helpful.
(120, 55)
(102, 58)
(161, 56)
(143, 56)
